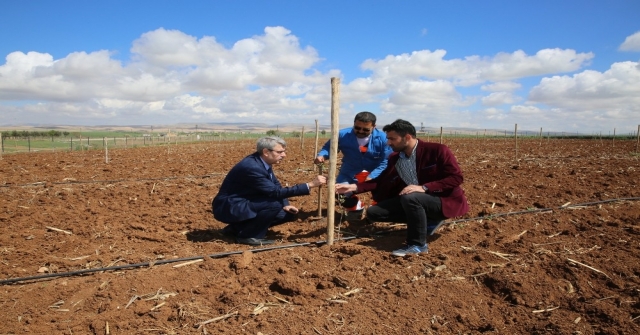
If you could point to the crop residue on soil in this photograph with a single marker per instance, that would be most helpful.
(569, 270)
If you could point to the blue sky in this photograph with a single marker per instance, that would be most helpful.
(560, 65)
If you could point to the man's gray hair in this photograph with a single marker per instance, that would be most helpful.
(269, 142)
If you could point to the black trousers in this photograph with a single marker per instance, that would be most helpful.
(416, 209)
(257, 227)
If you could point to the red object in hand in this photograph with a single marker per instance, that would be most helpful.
(363, 148)
(362, 176)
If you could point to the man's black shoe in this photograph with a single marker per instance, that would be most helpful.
(254, 241)
(228, 231)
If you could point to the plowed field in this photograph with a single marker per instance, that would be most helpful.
(550, 246)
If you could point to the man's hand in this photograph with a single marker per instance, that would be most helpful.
(290, 209)
(318, 160)
(319, 180)
(345, 188)
(412, 189)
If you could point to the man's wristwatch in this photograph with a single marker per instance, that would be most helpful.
(425, 188)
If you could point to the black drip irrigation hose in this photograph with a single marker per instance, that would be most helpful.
(285, 246)
(109, 181)
(539, 210)
(166, 261)
(39, 183)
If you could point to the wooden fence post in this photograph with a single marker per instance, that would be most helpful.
(637, 139)
(319, 171)
(302, 143)
(316, 146)
(106, 151)
(333, 162)
(515, 135)
(540, 137)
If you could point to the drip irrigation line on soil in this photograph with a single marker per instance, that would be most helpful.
(286, 246)
(538, 210)
(108, 181)
(160, 262)
(71, 182)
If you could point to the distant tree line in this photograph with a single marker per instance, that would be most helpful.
(33, 133)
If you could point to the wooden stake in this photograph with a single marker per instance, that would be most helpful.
(315, 152)
(302, 142)
(440, 135)
(515, 134)
(637, 138)
(540, 136)
(106, 151)
(320, 193)
(613, 139)
(333, 154)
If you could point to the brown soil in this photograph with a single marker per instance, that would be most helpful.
(571, 270)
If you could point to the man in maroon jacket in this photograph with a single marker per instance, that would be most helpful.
(420, 186)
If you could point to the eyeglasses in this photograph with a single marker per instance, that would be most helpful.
(366, 130)
(279, 152)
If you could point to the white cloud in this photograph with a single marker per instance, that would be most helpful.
(526, 112)
(507, 86)
(428, 94)
(494, 114)
(499, 98)
(174, 77)
(274, 58)
(424, 82)
(474, 70)
(631, 43)
(592, 99)
(170, 73)
(616, 88)
(78, 77)
(433, 101)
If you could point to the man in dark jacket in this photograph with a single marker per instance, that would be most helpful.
(251, 199)
(420, 186)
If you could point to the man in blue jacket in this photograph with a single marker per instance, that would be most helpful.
(251, 199)
(363, 147)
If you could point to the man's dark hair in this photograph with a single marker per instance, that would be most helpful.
(401, 127)
(365, 117)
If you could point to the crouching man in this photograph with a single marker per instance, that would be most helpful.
(251, 199)
(420, 187)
